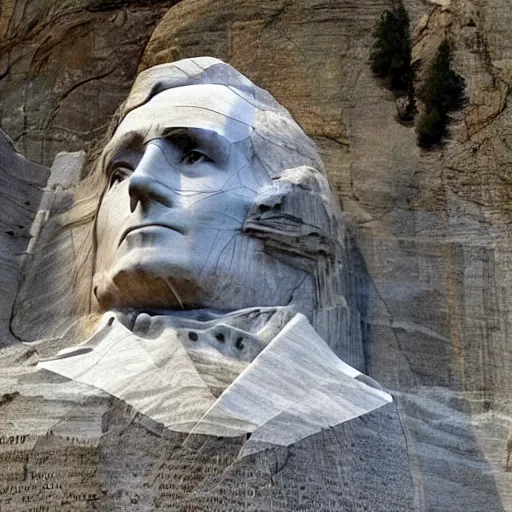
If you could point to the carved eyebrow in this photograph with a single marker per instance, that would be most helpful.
(128, 141)
(182, 137)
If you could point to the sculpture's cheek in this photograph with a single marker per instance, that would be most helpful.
(112, 220)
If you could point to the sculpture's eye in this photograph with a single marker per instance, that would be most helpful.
(119, 173)
(194, 156)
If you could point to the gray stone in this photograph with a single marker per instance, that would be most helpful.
(21, 188)
(208, 236)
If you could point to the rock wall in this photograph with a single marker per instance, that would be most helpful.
(433, 228)
(66, 66)
(21, 189)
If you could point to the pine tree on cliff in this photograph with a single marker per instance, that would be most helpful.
(391, 52)
(442, 93)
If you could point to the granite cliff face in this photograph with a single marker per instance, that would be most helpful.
(66, 66)
(432, 230)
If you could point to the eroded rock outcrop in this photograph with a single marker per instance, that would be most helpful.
(21, 186)
(66, 66)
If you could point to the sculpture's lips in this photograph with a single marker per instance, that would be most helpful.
(127, 231)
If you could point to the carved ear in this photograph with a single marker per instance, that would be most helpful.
(295, 217)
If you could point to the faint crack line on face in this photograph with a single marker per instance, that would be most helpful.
(220, 192)
(222, 251)
(218, 113)
(237, 92)
(180, 192)
(295, 288)
(188, 75)
(209, 252)
(232, 254)
(235, 175)
(283, 145)
(196, 64)
(174, 291)
(229, 217)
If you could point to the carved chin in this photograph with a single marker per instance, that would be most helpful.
(154, 279)
(135, 288)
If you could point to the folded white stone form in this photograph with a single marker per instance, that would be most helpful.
(294, 388)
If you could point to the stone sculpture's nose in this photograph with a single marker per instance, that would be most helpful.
(145, 187)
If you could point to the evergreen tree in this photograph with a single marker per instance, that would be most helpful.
(442, 93)
(391, 53)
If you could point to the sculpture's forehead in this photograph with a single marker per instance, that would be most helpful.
(208, 106)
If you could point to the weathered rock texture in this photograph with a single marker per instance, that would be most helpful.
(66, 66)
(21, 184)
(433, 228)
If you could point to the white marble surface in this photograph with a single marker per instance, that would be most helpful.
(293, 388)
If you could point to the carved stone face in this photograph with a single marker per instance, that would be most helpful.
(181, 182)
